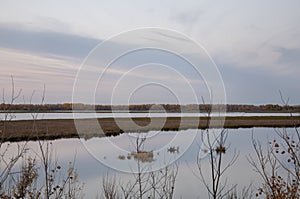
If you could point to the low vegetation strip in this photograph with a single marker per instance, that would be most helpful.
(173, 108)
(66, 128)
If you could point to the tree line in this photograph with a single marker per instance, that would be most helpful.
(151, 107)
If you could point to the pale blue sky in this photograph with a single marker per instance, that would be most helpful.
(255, 44)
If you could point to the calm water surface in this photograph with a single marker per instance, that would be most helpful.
(98, 156)
(28, 116)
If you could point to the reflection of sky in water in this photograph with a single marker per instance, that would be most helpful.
(187, 184)
(156, 142)
(28, 116)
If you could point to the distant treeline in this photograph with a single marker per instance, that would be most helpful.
(147, 107)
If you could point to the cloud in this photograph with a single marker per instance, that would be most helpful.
(32, 71)
(238, 38)
(187, 18)
(290, 57)
(260, 52)
(52, 43)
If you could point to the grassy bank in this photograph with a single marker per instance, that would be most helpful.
(66, 128)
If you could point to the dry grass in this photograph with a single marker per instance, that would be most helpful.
(65, 128)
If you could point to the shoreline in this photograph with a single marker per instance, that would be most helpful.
(138, 111)
(49, 129)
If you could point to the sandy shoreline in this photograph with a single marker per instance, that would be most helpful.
(88, 128)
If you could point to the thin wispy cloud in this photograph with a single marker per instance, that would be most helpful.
(252, 40)
(51, 43)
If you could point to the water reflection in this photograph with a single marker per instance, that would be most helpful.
(146, 156)
(57, 115)
(173, 149)
(157, 150)
(143, 156)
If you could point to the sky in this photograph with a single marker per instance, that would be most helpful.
(255, 46)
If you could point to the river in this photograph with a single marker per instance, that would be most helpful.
(97, 157)
(30, 116)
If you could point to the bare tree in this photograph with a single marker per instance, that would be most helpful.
(110, 187)
(8, 161)
(245, 193)
(163, 182)
(55, 186)
(145, 183)
(215, 149)
(22, 183)
(26, 182)
(279, 164)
